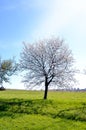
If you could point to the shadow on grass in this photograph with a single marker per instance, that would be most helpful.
(78, 114)
(11, 107)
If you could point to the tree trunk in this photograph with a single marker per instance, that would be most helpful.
(46, 88)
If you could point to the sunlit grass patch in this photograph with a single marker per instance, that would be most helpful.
(28, 111)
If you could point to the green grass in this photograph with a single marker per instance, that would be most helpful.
(26, 110)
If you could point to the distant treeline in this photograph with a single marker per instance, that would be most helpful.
(72, 89)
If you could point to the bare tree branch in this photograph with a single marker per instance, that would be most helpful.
(48, 61)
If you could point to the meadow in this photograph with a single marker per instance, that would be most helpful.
(26, 110)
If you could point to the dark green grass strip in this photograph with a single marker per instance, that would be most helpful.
(50, 108)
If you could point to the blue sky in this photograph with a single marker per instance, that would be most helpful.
(31, 20)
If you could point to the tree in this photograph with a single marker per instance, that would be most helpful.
(7, 69)
(50, 62)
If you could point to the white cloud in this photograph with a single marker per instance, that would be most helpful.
(82, 81)
(60, 15)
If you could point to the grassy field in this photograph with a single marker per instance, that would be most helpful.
(26, 110)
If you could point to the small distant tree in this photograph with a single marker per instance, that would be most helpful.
(7, 69)
(50, 62)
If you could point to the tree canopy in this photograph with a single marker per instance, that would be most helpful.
(49, 61)
(7, 69)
